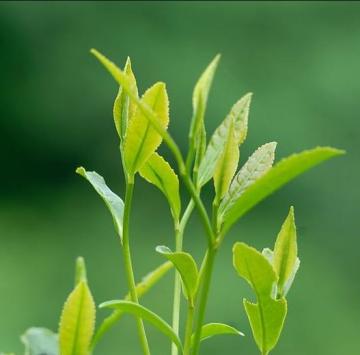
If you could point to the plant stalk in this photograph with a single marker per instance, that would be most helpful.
(207, 274)
(189, 327)
(128, 262)
(179, 233)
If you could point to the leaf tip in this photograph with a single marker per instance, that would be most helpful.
(80, 170)
(162, 249)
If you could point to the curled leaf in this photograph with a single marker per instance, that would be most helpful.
(142, 139)
(144, 313)
(186, 266)
(157, 171)
(113, 202)
(211, 329)
(124, 108)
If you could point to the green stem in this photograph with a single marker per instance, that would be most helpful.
(207, 274)
(179, 233)
(189, 327)
(128, 262)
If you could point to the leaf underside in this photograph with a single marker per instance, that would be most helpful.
(40, 341)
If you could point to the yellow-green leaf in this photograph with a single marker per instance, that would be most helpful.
(211, 329)
(227, 163)
(157, 171)
(113, 202)
(77, 320)
(239, 115)
(285, 252)
(267, 316)
(200, 97)
(124, 108)
(144, 313)
(187, 268)
(256, 166)
(142, 139)
(283, 172)
(266, 321)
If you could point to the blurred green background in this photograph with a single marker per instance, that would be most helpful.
(300, 59)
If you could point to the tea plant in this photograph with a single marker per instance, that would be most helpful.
(141, 124)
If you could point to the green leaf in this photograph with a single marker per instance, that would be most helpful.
(40, 341)
(283, 172)
(254, 268)
(256, 166)
(158, 172)
(211, 329)
(239, 114)
(186, 266)
(80, 270)
(77, 320)
(227, 164)
(200, 97)
(267, 316)
(266, 321)
(144, 313)
(113, 202)
(142, 139)
(124, 108)
(142, 288)
(285, 251)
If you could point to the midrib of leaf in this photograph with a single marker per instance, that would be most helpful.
(144, 137)
(75, 344)
(160, 180)
(263, 330)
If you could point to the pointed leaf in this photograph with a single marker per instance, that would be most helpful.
(268, 315)
(256, 166)
(142, 288)
(124, 81)
(40, 341)
(142, 139)
(80, 270)
(211, 329)
(285, 251)
(186, 266)
(144, 313)
(200, 97)
(254, 268)
(227, 164)
(215, 148)
(158, 172)
(113, 202)
(266, 321)
(124, 108)
(77, 321)
(283, 172)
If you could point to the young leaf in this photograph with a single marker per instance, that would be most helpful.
(283, 172)
(186, 266)
(256, 166)
(77, 320)
(239, 113)
(142, 288)
(144, 313)
(142, 139)
(227, 164)
(40, 341)
(199, 100)
(211, 329)
(80, 270)
(158, 172)
(113, 202)
(266, 321)
(124, 107)
(285, 251)
(268, 315)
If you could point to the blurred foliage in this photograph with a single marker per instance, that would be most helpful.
(301, 61)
